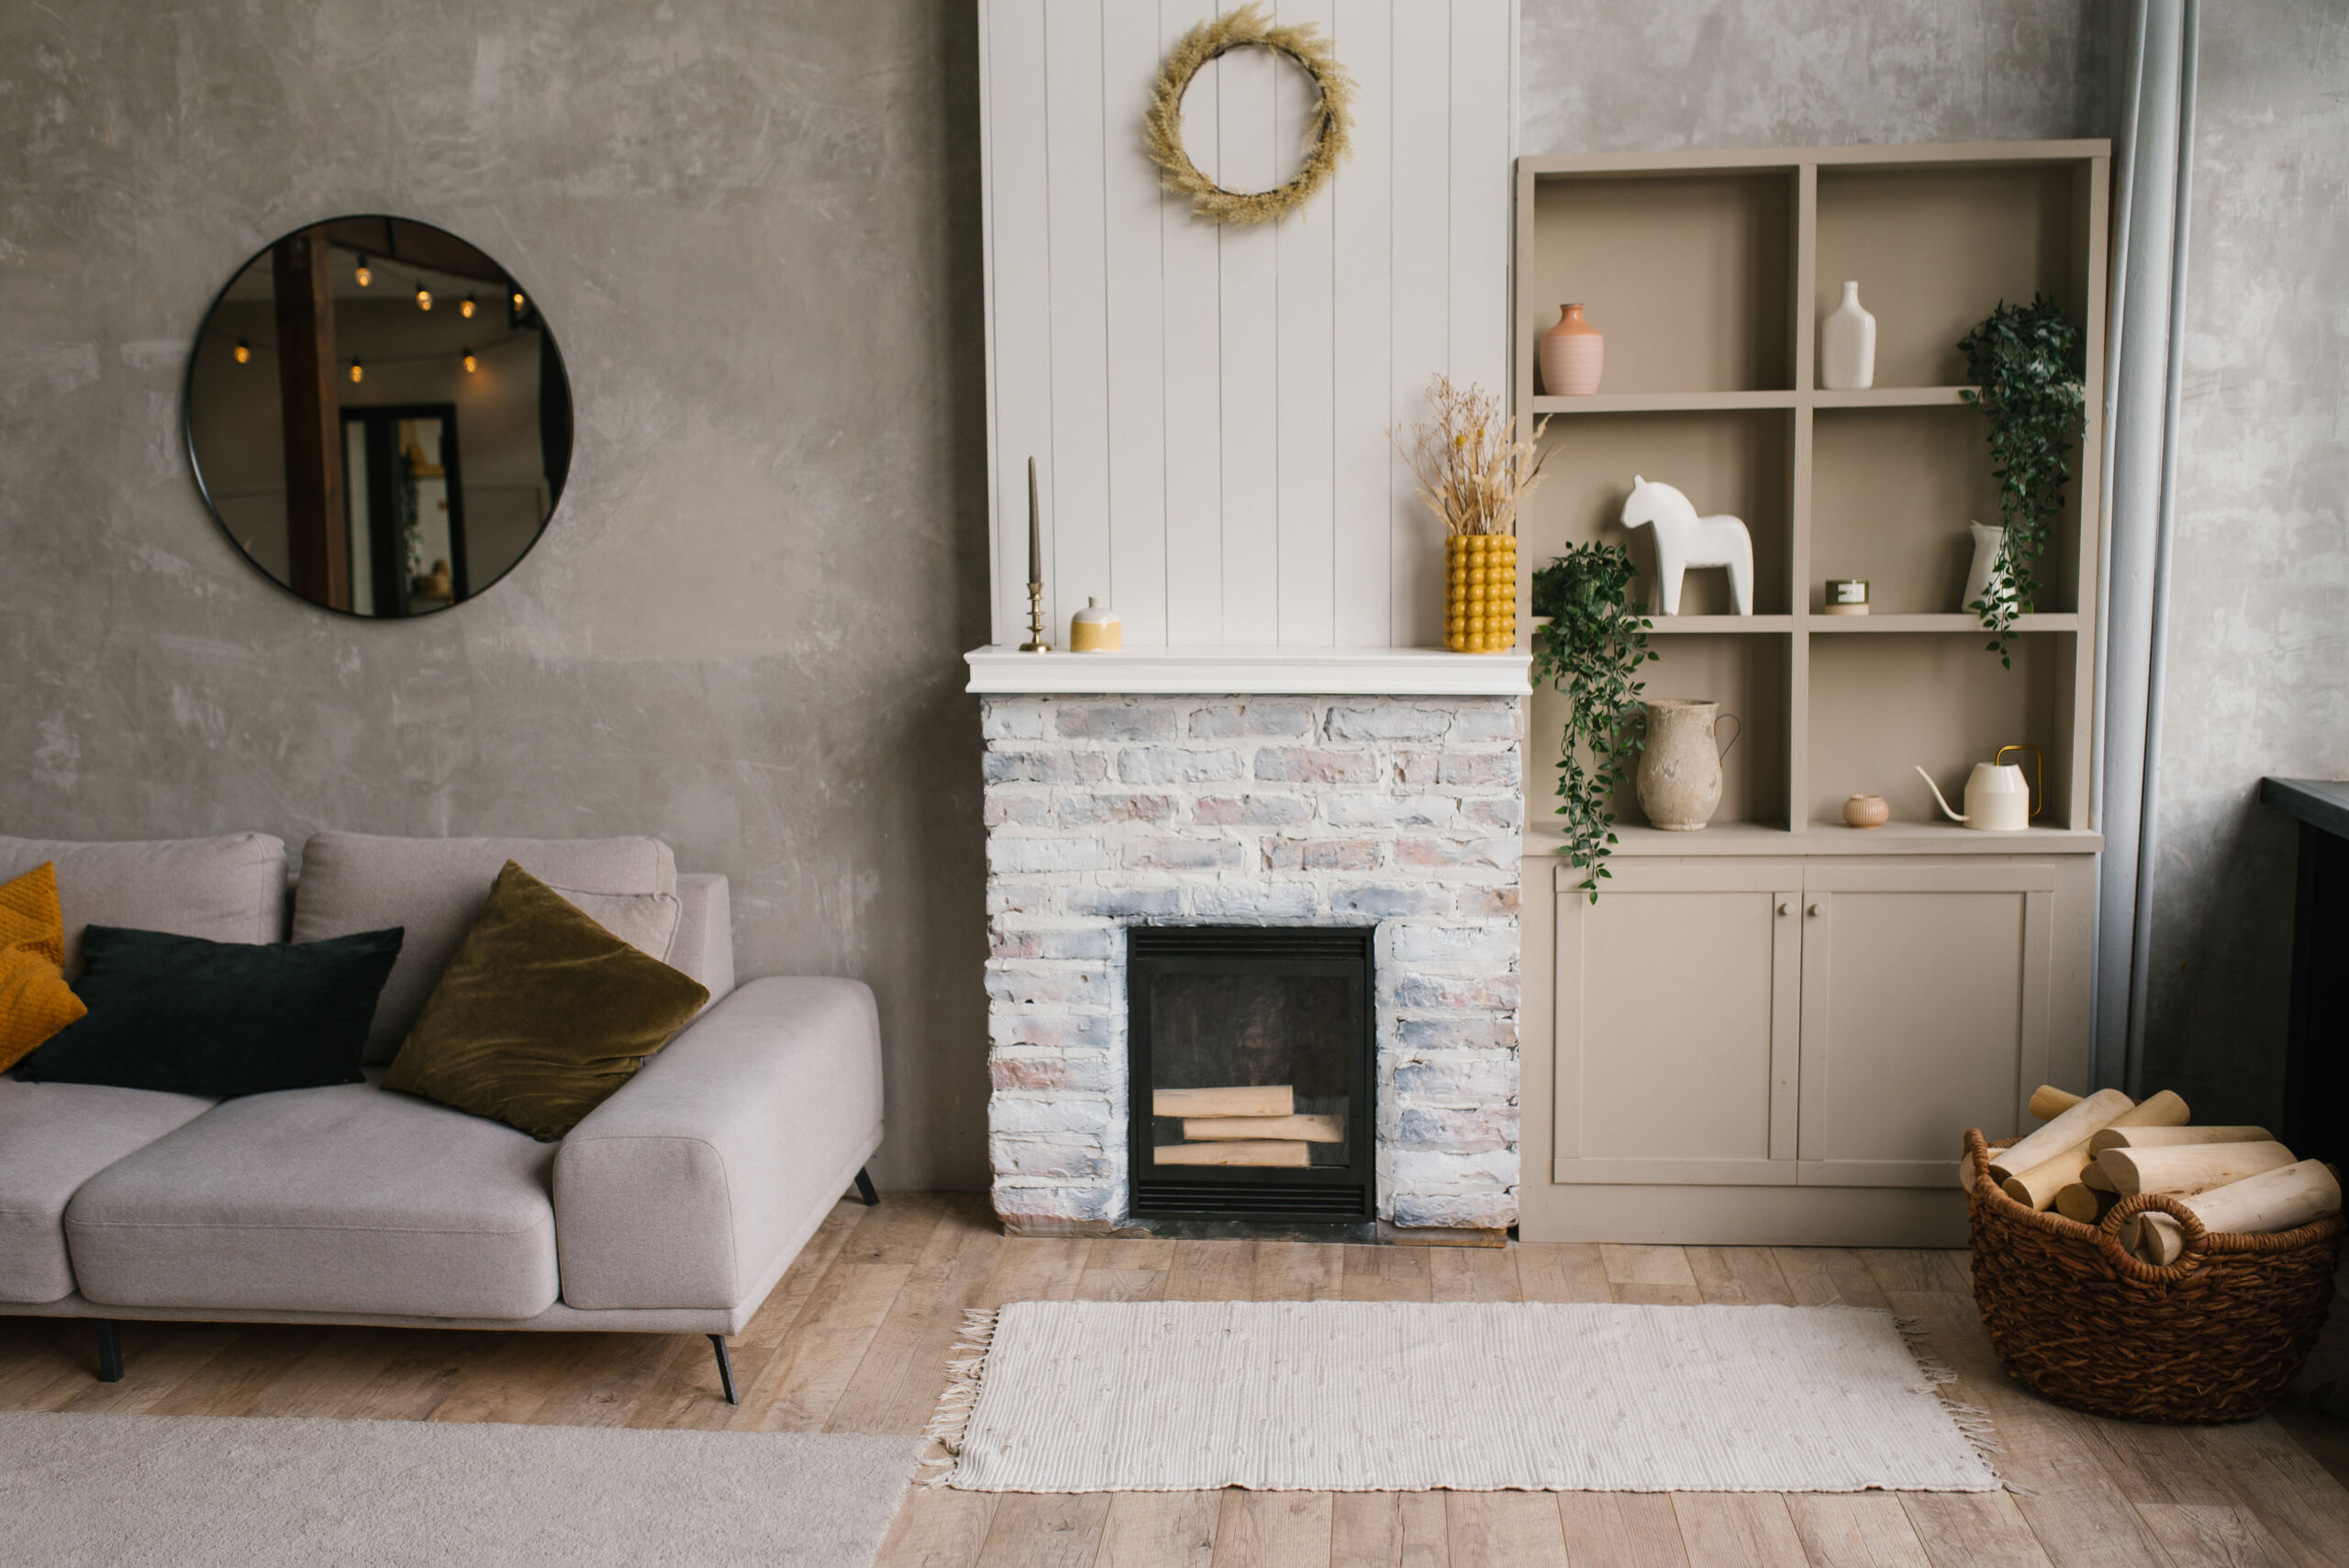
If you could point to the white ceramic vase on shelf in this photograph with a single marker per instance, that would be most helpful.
(1986, 569)
(1847, 345)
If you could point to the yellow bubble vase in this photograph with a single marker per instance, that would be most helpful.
(1480, 593)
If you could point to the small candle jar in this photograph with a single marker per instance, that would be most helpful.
(1846, 596)
(1095, 628)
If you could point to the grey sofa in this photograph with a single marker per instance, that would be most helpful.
(673, 1207)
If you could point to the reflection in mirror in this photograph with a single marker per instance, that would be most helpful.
(378, 417)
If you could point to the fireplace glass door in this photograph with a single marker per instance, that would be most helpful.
(1251, 1072)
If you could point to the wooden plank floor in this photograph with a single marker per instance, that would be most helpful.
(856, 1336)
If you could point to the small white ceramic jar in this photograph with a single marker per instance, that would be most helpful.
(1095, 628)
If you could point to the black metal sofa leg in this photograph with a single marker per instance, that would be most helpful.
(725, 1368)
(109, 1351)
(865, 1189)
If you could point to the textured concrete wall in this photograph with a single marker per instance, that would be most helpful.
(754, 225)
(2258, 672)
(1594, 77)
(1399, 812)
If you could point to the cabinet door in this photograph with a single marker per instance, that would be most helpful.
(1677, 1000)
(1924, 1012)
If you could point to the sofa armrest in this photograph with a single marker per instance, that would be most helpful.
(685, 1187)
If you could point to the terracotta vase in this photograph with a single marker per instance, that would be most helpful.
(1573, 352)
(1680, 765)
(1480, 593)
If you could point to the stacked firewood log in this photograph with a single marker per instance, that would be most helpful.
(1250, 1125)
(2095, 1151)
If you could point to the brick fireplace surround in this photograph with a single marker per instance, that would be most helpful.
(1401, 812)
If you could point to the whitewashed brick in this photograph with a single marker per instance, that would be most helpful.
(1113, 721)
(1046, 767)
(1029, 986)
(1458, 1130)
(1485, 1211)
(1306, 764)
(1249, 901)
(1046, 1070)
(1127, 903)
(1021, 1113)
(1225, 720)
(1388, 902)
(1007, 721)
(1459, 1077)
(1252, 810)
(1388, 721)
(1090, 810)
(1456, 1031)
(1355, 809)
(1177, 764)
(1182, 854)
(1420, 1171)
(1454, 944)
(1009, 1026)
(1013, 856)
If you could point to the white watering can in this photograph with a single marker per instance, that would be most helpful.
(1998, 798)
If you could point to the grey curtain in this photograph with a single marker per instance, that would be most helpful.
(2152, 187)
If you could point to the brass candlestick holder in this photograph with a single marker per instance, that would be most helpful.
(1035, 643)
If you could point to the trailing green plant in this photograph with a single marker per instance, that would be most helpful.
(2028, 372)
(1593, 646)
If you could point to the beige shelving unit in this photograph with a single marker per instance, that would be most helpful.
(1776, 1029)
(1708, 273)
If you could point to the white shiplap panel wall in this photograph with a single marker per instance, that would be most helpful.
(1077, 223)
(1307, 398)
(1248, 319)
(1362, 211)
(1209, 407)
(1130, 57)
(1193, 286)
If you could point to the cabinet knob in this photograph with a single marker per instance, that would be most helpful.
(1786, 909)
(1813, 911)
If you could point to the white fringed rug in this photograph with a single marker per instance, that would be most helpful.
(1377, 1397)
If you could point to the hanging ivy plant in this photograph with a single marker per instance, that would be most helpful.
(1590, 650)
(2029, 375)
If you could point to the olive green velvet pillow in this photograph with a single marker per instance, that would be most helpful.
(541, 1015)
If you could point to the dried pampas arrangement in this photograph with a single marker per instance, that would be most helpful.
(1332, 116)
(1473, 472)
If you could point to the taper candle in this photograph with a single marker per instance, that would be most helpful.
(1035, 531)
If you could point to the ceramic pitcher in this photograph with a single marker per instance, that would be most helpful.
(1680, 766)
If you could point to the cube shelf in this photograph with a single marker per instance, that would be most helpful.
(1709, 272)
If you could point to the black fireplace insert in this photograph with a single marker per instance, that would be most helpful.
(1251, 1072)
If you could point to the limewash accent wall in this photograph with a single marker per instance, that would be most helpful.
(1208, 406)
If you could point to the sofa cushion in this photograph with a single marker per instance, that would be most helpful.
(434, 887)
(345, 1199)
(199, 1018)
(35, 1003)
(705, 944)
(542, 1014)
(30, 915)
(53, 1138)
(230, 889)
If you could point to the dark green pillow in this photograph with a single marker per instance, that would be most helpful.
(541, 1015)
(220, 1019)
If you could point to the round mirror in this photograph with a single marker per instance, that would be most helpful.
(378, 416)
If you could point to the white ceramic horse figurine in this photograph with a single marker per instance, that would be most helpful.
(1684, 540)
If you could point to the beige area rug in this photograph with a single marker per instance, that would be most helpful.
(199, 1491)
(1375, 1396)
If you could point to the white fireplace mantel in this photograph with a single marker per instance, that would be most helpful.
(1216, 671)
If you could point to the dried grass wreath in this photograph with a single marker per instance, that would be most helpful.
(1333, 117)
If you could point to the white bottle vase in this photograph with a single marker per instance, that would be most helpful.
(1847, 345)
(1987, 542)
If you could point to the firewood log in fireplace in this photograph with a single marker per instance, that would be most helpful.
(1311, 1129)
(1286, 1152)
(1267, 1099)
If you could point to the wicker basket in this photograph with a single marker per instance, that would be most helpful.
(2213, 1337)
